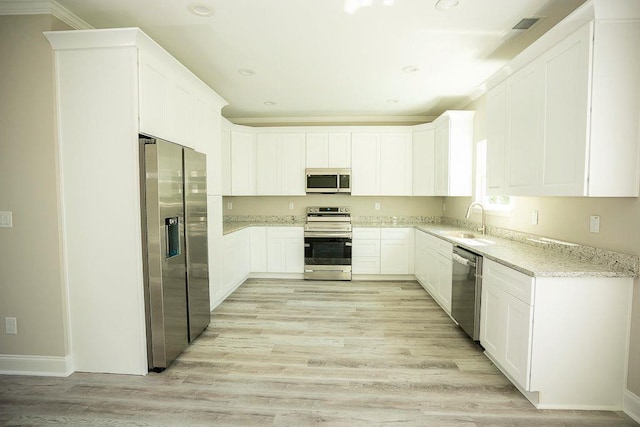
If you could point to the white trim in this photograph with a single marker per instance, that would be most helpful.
(332, 120)
(46, 366)
(631, 405)
(21, 7)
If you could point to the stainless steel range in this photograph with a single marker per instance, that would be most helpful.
(327, 243)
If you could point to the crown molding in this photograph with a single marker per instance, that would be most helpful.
(43, 7)
(331, 120)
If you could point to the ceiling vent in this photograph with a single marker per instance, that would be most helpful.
(521, 27)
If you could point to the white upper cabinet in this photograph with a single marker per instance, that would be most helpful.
(328, 150)
(565, 122)
(280, 164)
(381, 164)
(453, 153)
(424, 162)
(243, 163)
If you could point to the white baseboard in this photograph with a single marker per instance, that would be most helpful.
(44, 366)
(631, 405)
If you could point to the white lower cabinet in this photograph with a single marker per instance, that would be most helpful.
(285, 250)
(383, 251)
(396, 251)
(560, 340)
(433, 267)
(236, 259)
(365, 252)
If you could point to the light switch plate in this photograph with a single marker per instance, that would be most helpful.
(594, 224)
(6, 220)
(11, 326)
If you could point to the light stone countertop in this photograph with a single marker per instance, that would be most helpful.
(531, 255)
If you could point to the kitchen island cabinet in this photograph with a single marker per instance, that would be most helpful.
(561, 340)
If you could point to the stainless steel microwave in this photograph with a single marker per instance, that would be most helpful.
(328, 181)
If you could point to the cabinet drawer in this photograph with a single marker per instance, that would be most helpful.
(365, 265)
(366, 233)
(285, 232)
(395, 233)
(366, 248)
(444, 248)
(509, 280)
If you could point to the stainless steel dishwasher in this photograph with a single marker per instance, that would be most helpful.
(466, 290)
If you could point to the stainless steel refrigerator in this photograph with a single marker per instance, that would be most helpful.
(174, 231)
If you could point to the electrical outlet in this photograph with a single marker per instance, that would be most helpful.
(377, 206)
(6, 220)
(229, 205)
(291, 206)
(11, 325)
(534, 217)
(594, 224)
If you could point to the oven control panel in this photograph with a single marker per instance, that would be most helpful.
(328, 210)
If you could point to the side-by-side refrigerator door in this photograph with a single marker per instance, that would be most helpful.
(195, 198)
(165, 249)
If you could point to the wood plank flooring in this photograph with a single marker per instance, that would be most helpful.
(299, 353)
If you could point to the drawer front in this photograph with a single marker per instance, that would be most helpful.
(366, 248)
(285, 232)
(395, 233)
(365, 265)
(366, 233)
(444, 248)
(509, 280)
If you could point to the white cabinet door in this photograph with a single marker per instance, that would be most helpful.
(564, 147)
(496, 139)
(506, 321)
(317, 150)
(441, 169)
(453, 153)
(396, 251)
(154, 87)
(424, 163)
(525, 130)
(395, 164)
(444, 285)
(258, 249)
(518, 333)
(179, 110)
(243, 160)
(340, 150)
(366, 251)
(280, 164)
(285, 250)
(381, 164)
(493, 319)
(328, 150)
(365, 159)
(292, 156)
(267, 165)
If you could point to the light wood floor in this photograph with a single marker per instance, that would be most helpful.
(296, 353)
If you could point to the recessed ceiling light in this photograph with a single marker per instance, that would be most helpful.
(392, 101)
(269, 103)
(246, 72)
(410, 69)
(446, 4)
(200, 9)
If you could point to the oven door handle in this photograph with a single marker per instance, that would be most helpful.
(307, 245)
(327, 234)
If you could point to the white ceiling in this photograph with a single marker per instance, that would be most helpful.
(317, 62)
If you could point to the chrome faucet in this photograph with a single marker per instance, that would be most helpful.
(483, 227)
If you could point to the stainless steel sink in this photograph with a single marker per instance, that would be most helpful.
(459, 235)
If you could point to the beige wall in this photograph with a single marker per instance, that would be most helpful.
(567, 218)
(360, 206)
(30, 253)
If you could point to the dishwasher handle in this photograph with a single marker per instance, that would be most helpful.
(464, 261)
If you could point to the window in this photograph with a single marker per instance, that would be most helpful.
(491, 203)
